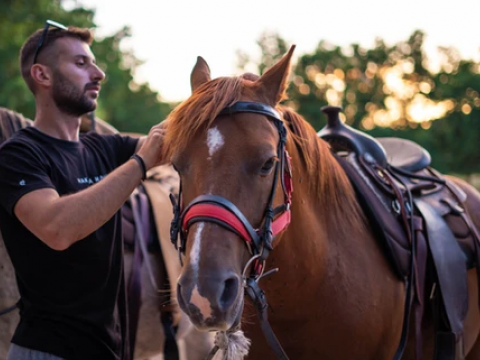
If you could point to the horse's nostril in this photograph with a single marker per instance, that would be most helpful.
(229, 293)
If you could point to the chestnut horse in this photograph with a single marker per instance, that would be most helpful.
(150, 335)
(335, 296)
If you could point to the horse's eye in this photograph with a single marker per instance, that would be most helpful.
(268, 166)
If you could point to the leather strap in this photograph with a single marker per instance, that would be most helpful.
(8, 310)
(450, 265)
(258, 297)
(421, 255)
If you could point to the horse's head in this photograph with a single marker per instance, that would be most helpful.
(227, 142)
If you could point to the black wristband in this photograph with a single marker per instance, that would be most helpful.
(140, 161)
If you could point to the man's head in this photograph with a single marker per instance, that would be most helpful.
(64, 68)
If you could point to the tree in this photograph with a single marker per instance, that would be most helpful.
(390, 91)
(124, 103)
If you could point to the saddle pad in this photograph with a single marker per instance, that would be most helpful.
(384, 223)
(162, 181)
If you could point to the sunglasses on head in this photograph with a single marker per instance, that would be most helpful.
(43, 38)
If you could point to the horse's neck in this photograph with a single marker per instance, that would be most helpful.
(327, 226)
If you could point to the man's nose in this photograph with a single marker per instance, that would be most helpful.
(98, 74)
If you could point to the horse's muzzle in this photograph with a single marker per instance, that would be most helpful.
(211, 302)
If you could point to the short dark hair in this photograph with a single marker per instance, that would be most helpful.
(29, 47)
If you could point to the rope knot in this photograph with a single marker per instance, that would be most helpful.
(234, 345)
(221, 340)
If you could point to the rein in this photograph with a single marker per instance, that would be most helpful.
(217, 209)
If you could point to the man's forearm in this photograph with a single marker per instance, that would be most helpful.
(78, 215)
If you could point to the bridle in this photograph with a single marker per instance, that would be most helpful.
(217, 209)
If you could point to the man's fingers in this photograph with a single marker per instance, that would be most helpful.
(162, 125)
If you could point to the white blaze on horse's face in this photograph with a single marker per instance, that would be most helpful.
(215, 141)
(195, 251)
(202, 303)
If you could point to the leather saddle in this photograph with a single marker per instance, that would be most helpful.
(419, 219)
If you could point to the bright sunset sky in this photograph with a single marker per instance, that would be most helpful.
(169, 35)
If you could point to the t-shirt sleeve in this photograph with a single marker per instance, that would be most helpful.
(21, 171)
(123, 146)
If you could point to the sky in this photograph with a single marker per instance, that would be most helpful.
(169, 35)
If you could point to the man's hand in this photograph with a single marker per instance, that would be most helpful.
(151, 148)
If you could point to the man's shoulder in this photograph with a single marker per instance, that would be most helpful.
(93, 136)
(112, 141)
(19, 139)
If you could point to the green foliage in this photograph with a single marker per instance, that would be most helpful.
(389, 91)
(126, 105)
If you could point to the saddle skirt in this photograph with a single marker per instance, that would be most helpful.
(375, 186)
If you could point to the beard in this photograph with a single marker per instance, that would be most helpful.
(69, 98)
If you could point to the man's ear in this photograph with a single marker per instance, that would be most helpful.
(41, 75)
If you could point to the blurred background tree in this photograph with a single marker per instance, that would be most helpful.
(389, 91)
(125, 104)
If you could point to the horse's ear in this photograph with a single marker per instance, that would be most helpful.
(200, 74)
(274, 82)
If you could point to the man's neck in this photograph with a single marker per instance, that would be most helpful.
(51, 121)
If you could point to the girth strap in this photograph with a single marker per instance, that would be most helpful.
(420, 268)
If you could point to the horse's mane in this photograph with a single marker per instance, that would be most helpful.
(199, 111)
(328, 183)
(10, 122)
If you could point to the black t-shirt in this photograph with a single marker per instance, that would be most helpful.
(69, 299)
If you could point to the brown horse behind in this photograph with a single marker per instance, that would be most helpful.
(335, 296)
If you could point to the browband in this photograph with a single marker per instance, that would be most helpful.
(251, 107)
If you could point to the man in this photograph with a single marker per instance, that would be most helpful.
(59, 199)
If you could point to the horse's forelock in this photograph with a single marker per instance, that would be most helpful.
(199, 111)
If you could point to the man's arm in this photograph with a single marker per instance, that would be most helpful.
(61, 221)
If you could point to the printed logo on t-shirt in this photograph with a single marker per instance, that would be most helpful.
(22, 182)
(89, 180)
